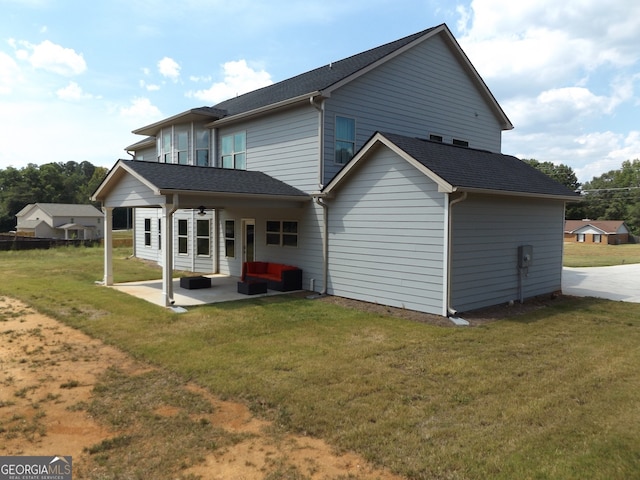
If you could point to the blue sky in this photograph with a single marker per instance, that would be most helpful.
(76, 76)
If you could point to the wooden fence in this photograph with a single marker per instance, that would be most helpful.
(14, 242)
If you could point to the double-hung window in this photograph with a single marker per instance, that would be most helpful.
(345, 139)
(202, 237)
(234, 151)
(182, 146)
(202, 147)
(166, 146)
(147, 232)
(229, 238)
(183, 236)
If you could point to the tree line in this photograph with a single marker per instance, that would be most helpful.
(614, 195)
(69, 182)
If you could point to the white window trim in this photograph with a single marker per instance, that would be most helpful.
(281, 233)
(336, 139)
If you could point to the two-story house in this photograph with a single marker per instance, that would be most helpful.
(379, 175)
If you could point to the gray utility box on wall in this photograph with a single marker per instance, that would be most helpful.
(525, 256)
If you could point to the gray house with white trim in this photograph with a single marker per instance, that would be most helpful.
(379, 175)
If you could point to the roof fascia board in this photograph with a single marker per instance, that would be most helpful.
(258, 196)
(147, 142)
(262, 110)
(153, 128)
(379, 139)
(511, 193)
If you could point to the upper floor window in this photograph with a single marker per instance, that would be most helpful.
(186, 144)
(166, 146)
(345, 139)
(202, 147)
(182, 147)
(234, 151)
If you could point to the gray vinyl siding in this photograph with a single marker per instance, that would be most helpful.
(130, 192)
(147, 252)
(283, 145)
(486, 234)
(147, 154)
(386, 236)
(424, 91)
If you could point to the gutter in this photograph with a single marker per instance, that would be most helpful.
(260, 110)
(451, 312)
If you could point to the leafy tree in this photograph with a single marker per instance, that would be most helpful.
(615, 195)
(565, 175)
(69, 182)
(560, 173)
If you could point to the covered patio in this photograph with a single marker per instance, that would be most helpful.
(173, 187)
(223, 289)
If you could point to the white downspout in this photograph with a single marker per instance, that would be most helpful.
(320, 109)
(325, 244)
(451, 312)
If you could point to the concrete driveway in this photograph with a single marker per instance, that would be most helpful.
(621, 282)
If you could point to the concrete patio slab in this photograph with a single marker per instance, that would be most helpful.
(223, 289)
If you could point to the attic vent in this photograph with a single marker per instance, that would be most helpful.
(435, 138)
(460, 143)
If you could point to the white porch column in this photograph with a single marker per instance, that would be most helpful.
(108, 246)
(167, 253)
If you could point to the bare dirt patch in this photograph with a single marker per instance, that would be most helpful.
(48, 374)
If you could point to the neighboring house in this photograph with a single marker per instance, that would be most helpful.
(59, 220)
(607, 232)
(378, 175)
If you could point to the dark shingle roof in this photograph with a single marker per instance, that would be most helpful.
(314, 80)
(167, 176)
(467, 168)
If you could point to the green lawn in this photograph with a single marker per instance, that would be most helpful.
(547, 395)
(596, 255)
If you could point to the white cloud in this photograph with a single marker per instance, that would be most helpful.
(73, 92)
(239, 78)
(141, 109)
(9, 73)
(169, 68)
(52, 57)
(541, 41)
(566, 74)
(150, 87)
(558, 108)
